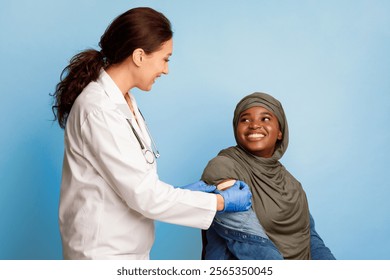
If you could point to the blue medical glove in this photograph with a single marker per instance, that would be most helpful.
(199, 186)
(237, 197)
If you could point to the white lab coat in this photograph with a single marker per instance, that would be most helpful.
(110, 195)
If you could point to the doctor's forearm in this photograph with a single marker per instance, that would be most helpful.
(220, 202)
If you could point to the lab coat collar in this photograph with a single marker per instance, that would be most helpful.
(114, 93)
(116, 96)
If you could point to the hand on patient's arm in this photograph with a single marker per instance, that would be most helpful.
(222, 186)
(235, 199)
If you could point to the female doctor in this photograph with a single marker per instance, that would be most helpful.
(110, 190)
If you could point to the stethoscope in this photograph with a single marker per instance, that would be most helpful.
(149, 154)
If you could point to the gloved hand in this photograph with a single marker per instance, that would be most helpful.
(199, 186)
(237, 197)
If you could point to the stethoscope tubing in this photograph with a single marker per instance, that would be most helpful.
(136, 135)
(154, 146)
(148, 154)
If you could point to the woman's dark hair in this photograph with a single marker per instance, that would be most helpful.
(142, 28)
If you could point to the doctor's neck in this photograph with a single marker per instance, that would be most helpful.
(122, 76)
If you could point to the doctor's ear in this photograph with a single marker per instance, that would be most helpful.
(138, 56)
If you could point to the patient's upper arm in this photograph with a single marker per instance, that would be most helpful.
(220, 171)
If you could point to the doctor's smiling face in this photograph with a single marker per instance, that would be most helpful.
(153, 65)
(258, 131)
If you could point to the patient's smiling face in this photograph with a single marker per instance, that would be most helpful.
(258, 131)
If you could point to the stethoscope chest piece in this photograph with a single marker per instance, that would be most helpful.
(149, 156)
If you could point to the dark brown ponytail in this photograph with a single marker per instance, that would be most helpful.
(82, 69)
(142, 28)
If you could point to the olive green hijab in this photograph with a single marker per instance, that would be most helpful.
(278, 198)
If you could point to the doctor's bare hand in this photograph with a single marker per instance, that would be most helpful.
(235, 199)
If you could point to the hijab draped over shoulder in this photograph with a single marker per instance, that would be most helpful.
(278, 198)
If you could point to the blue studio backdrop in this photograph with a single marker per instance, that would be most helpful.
(328, 62)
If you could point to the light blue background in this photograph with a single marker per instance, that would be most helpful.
(328, 62)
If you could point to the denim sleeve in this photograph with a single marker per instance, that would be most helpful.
(318, 249)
